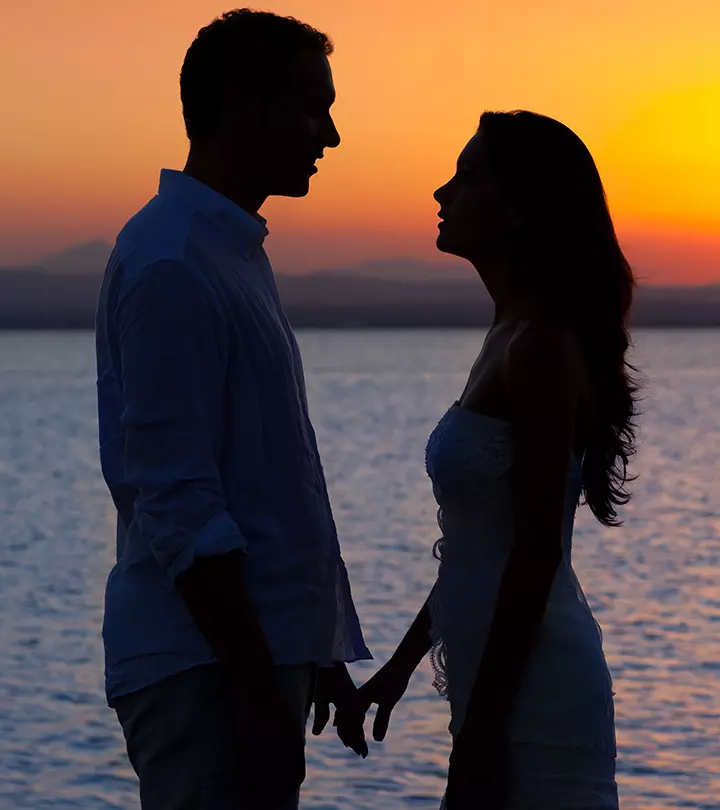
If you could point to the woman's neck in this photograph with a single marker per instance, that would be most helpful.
(510, 305)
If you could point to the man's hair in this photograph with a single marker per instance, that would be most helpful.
(250, 49)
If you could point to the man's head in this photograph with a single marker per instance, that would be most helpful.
(256, 91)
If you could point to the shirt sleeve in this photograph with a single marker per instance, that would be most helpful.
(349, 644)
(172, 358)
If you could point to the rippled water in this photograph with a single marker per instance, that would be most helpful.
(375, 396)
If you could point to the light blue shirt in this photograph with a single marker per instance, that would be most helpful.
(206, 444)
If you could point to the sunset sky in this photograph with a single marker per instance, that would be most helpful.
(91, 111)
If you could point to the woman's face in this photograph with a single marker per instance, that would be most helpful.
(475, 223)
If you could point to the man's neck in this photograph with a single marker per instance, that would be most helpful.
(211, 171)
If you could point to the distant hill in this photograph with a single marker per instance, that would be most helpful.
(88, 258)
(409, 294)
(334, 300)
(37, 299)
(91, 258)
(404, 269)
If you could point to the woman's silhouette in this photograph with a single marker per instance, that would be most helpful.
(545, 419)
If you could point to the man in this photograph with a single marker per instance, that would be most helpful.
(229, 605)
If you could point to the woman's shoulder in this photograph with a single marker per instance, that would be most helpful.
(545, 342)
(545, 363)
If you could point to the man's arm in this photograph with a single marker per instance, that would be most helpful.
(172, 360)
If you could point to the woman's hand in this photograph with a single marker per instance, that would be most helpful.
(385, 689)
(478, 774)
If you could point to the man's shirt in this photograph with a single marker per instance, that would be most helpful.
(206, 444)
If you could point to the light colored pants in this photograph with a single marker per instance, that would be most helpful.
(183, 739)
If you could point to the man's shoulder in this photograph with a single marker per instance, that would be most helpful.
(153, 251)
(158, 233)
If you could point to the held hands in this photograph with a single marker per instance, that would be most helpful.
(334, 685)
(385, 689)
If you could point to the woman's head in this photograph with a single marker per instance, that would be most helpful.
(475, 223)
(528, 205)
(527, 192)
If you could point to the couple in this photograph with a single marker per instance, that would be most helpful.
(229, 612)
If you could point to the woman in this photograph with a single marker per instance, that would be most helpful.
(545, 418)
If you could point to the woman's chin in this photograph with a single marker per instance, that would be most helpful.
(446, 245)
(443, 244)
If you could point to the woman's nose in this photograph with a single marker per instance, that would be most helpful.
(440, 195)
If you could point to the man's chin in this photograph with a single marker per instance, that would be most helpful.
(295, 188)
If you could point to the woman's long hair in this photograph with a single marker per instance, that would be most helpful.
(567, 255)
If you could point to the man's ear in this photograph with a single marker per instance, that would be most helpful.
(241, 110)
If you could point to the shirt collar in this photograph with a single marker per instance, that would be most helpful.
(248, 230)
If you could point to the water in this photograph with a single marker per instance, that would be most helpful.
(375, 396)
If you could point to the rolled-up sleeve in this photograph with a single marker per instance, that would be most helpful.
(172, 358)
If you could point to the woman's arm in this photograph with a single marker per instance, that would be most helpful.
(416, 643)
(544, 373)
(390, 682)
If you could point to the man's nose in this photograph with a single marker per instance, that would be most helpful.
(331, 136)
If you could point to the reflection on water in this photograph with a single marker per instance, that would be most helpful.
(375, 396)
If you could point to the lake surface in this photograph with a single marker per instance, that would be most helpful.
(375, 397)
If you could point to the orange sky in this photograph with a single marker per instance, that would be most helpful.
(91, 112)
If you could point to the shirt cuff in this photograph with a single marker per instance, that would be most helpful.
(348, 645)
(220, 535)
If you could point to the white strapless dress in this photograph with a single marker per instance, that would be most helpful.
(561, 731)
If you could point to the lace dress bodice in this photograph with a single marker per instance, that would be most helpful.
(566, 692)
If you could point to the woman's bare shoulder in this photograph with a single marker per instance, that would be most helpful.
(547, 343)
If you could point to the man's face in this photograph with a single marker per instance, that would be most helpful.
(289, 134)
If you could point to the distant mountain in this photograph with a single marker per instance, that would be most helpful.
(345, 300)
(408, 293)
(403, 269)
(333, 300)
(92, 257)
(36, 299)
(89, 257)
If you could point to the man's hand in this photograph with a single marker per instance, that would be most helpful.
(334, 685)
(274, 748)
(385, 689)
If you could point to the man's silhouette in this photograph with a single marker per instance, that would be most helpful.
(229, 606)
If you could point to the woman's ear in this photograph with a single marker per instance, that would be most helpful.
(513, 221)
